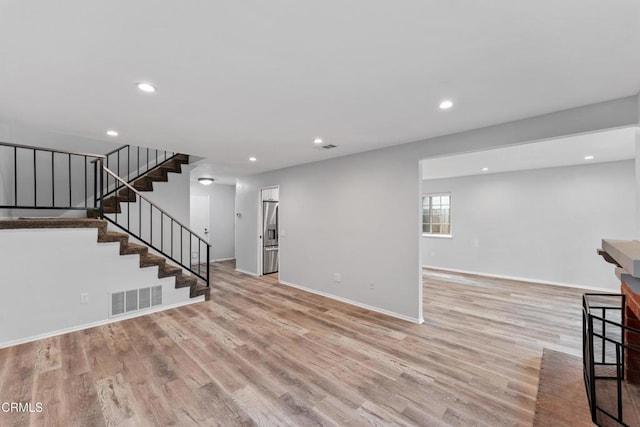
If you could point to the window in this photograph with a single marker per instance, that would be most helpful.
(436, 214)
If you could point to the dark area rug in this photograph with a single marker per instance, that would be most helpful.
(562, 400)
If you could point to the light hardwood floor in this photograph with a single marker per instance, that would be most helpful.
(260, 353)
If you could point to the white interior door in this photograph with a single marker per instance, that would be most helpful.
(200, 224)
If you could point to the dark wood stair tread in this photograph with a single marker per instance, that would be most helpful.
(168, 270)
(14, 224)
(134, 248)
(112, 236)
(149, 260)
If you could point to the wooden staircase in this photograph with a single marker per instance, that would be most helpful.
(196, 286)
(145, 183)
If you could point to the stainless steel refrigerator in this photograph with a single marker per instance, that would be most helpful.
(270, 237)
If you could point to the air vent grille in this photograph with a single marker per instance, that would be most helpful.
(125, 302)
(325, 147)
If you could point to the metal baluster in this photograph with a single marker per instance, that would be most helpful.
(35, 186)
(592, 368)
(171, 237)
(70, 202)
(623, 319)
(86, 178)
(151, 224)
(181, 245)
(15, 175)
(199, 259)
(53, 187)
(95, 184)
(208, 249)
(161, 231)
(129, 192)
(190, 249)
(619, 380)
(604, 335)
(101, 172)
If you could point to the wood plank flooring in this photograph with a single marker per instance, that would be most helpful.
(260, 353)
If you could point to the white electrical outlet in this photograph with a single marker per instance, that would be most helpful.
(84, 298)
(371, 286)
(336, 277)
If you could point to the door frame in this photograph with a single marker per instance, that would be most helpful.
(260, 254)
(208, 236)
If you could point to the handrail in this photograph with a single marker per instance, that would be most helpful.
(113, 174)
(139, 235)
(51, 150)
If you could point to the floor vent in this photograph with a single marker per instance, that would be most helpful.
(126, 302)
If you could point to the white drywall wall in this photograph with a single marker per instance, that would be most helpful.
(44, 272)
(222, 218)
(542, 224)
(360, 215)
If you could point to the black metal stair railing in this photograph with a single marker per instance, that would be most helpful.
(605, 344)
(152, 225)
(132, 162)
(45, 178)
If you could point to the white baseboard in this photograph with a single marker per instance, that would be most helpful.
(99, 323)
(417, 320)
(519, 279)
(223, 259)
(247, 272)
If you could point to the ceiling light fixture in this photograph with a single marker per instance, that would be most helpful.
(317, 141)
(485, 169)
(446, 104)
(205, 181)
(146, 87)
(112, 133)
(252, 159)
(590, 157)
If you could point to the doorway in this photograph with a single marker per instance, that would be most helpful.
(200, 224)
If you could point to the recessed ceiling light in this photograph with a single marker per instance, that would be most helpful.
(317, 141)
(485, 169)
(446, 104)
(146, 87)
(112, 133)
(205, 181)
(252, 159)
(589, 157)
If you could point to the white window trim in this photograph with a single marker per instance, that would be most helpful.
(437, 235)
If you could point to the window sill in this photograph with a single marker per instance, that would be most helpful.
(438, 236)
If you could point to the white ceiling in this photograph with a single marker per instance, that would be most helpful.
(607, 146)
(254, 78)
